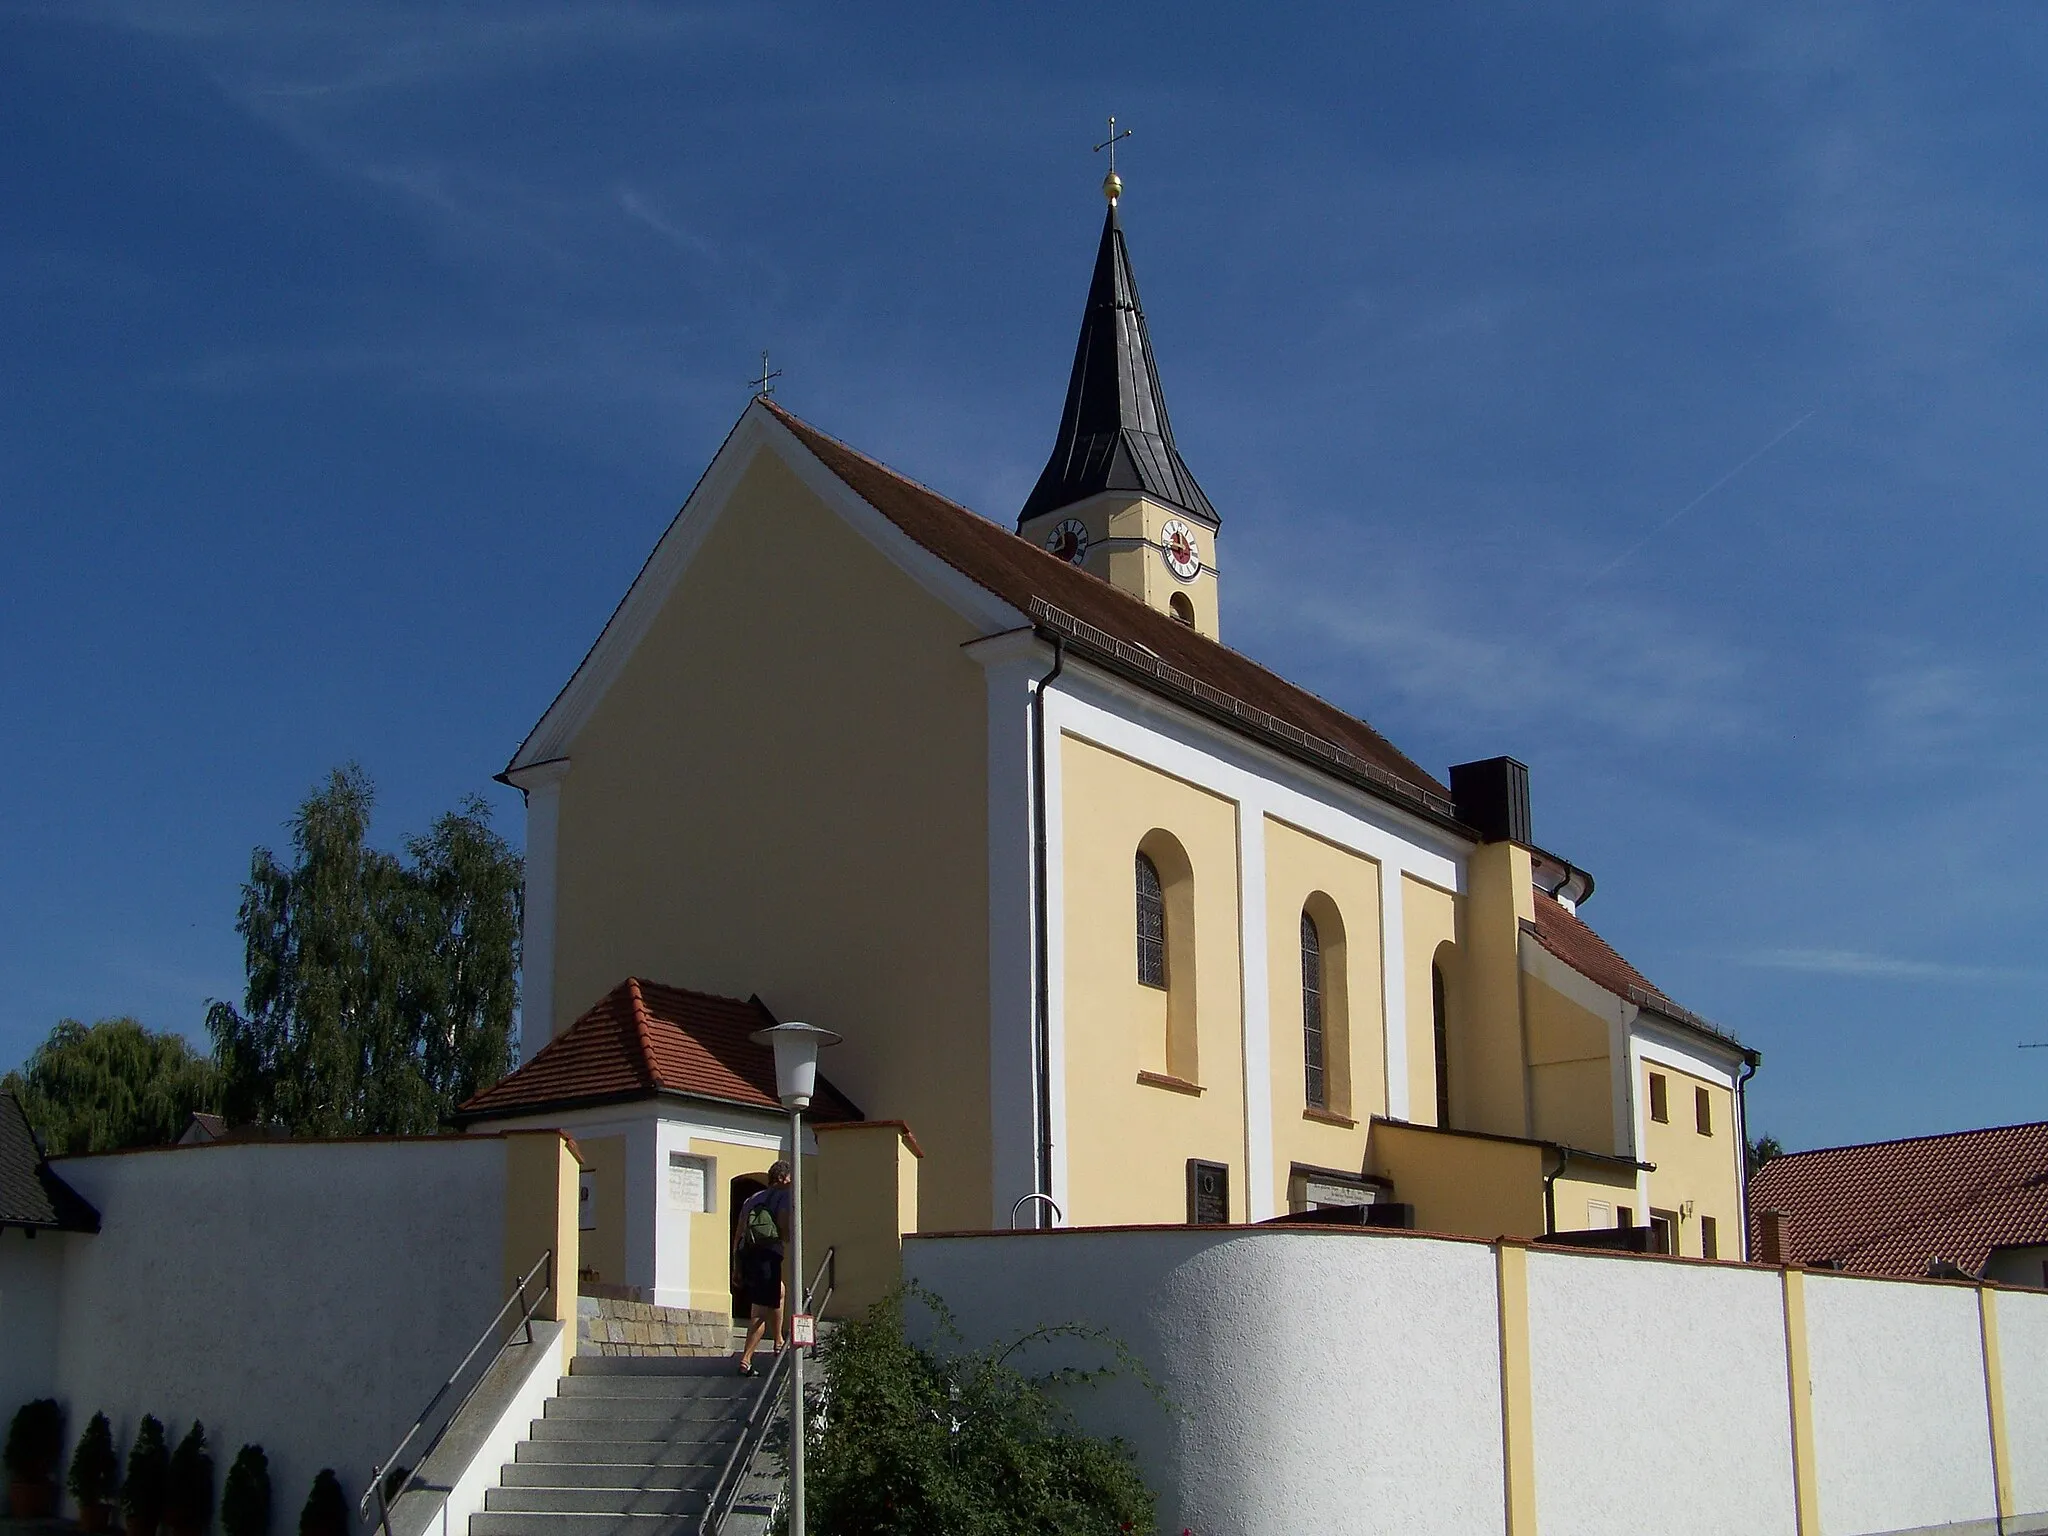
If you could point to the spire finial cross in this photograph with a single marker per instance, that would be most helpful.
(765, 385)
(1112, 184)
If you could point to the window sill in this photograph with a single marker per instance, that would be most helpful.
(1325, 1117)
(1171, 1084)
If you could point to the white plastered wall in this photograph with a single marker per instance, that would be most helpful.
(1673, 1372)
(1901, 1425)
(307, 1297)
(1324, 1381)
(2023, 1357)
(31, 1269)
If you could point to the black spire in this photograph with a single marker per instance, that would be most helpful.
(1114, 435)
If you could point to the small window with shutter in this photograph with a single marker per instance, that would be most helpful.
(1702, 1112)
(1710, 1238)
(1660, 1104)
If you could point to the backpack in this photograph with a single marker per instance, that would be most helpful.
(757, 1223)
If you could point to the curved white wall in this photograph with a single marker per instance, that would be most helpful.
(2023, 1356)
(308, 1297)
(1652, 1389)
(1327, 1381)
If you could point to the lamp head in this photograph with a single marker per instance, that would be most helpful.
(796, 1048)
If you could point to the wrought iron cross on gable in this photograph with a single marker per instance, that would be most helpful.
(765, 385)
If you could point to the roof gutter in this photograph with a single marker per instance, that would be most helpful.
(1041, 1034)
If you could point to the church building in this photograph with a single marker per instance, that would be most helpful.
(1119, 925)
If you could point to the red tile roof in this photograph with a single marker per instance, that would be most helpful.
(1894, 1207)
(1019, 572)
(642, 1040)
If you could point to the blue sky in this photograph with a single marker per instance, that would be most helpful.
(1653, 392)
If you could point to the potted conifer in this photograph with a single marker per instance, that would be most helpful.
(95, 1475)
(142, 1489)
(326, 1511)
(35, 1444)
(245, 1499)
(188, 1489)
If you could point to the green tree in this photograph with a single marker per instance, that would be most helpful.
(912, 1440)
(100, 1087)
(381, 993)
(1761, 1150)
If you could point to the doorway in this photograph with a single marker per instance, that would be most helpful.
(739, 1191)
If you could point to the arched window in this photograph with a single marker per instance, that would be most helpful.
(1151, 925)
(1443, 1045)
(1183, 608)
(1316, 1085)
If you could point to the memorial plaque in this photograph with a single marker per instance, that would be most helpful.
(688, 1182)
(1208, 1193)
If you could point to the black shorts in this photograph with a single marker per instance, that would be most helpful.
(761, 1277)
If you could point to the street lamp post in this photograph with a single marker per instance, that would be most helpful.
(796, 1049)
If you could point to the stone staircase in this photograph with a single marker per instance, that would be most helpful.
(630, 1445)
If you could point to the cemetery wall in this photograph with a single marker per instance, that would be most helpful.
(306, 1296)
(1372, 1381)
(31, 1269)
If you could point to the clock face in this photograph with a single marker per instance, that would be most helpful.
(1069, 540)
(1183, 554)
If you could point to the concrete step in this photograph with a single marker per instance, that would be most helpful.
(672, 1410)
(656, 1365)
(596, 1501)
(504, 1523)
(626, 1453)
(585, 1474)
(718, 1427)
(727, 1385)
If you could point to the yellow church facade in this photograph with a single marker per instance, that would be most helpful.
(1122, 926)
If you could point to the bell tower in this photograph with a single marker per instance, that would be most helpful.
(1115, 497)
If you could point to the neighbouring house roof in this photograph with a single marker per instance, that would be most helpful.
(643, 1040)
(205, 1128)
(1565, 934)
(31, 1195)
(1895, 1207)
(1114, 434)
(1034, 581)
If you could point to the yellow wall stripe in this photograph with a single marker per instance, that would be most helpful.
(1517, 1410)
(1994, 1397)
(1799, 1388)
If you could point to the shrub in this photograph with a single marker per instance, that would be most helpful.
(326, 1511)
(188, 1490)
(35, 1441)
(911, 1440)
(95, 1468)
(149, 1465)
(245, 1501)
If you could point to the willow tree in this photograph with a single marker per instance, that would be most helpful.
(381, 990)
(114, 1084)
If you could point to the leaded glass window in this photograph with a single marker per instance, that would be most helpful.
(1151, 925)
(1312, 1013)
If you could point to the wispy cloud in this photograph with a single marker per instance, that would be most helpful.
(1856, 963)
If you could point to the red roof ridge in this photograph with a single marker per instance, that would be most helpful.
(641, 1032)
(1900, 1141)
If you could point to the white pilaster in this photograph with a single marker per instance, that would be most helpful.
(542, 786)
(1257, 1004)
(1013, 663)
(1394, 985)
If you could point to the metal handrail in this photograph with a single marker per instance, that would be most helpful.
(755, 1430)
(526, 1310)
(1058, 1215)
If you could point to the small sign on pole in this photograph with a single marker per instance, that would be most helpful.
(803, 1331)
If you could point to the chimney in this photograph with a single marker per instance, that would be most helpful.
(1773, 1228)
(1492, 797)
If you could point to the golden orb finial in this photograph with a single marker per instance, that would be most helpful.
(1112, 186)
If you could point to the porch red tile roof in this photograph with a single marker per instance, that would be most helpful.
(1893, 1207)
(645, 1040)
